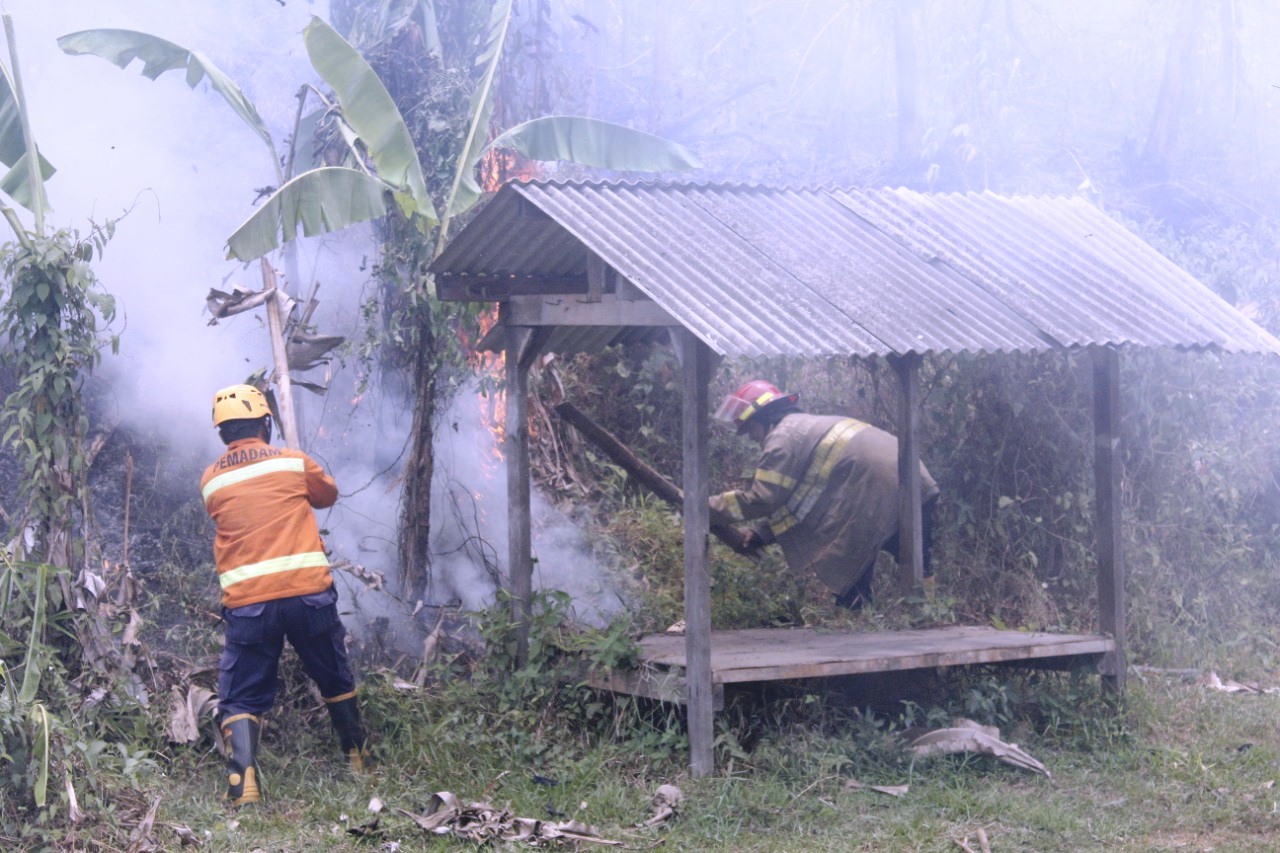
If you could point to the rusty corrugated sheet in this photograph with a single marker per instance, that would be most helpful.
(756, 271)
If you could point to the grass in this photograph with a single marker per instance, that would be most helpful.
(1178, 768)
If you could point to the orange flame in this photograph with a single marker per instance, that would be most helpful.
(500, 165)
(493, 407)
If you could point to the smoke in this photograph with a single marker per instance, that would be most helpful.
(182, 164)
(185, 171)
(469, 506)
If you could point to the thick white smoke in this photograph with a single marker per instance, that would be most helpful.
(188, 170)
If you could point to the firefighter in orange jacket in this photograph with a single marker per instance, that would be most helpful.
(825, 488)
(275, 584)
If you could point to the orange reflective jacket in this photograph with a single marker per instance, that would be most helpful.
(268, 544)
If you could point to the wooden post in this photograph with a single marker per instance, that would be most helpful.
(275, 328)
(695, 363)
(910, 515)
(1106, 474)
(516, 449)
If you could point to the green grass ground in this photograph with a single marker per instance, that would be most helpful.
(1179, 767)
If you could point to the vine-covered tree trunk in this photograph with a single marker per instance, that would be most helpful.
(415, 507)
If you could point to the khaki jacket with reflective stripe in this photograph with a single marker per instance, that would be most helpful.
(826, 488)
(268, 544)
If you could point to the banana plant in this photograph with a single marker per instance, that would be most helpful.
(575, 139)
(18, 148)
(330, 198)
(317, 201)
(320, 200)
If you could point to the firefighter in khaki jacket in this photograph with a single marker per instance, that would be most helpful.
(825, 489)
(275, 584)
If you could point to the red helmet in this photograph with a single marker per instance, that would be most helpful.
(743, 404)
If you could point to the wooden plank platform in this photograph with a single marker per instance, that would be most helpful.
(779, 654)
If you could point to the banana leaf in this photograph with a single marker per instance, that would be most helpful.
(13, 148)
(321, 201)
(33, 666)
(121, 47)
(597, 143)
(368, 108)
(40, 718)
(466, 192)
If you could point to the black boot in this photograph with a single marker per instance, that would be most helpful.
(345, 715)
(858, 595)
(240, 735)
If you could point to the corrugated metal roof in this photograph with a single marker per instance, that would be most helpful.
(759, 271)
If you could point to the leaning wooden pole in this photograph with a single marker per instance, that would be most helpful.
(275, 328)
(640, 471)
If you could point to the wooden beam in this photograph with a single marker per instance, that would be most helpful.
(597, 270)
(627, 291)
(516, 449)
(578, 311)
(463, 287)
(661, 684)
(695, 362)
(1108, 521)
(910, 515)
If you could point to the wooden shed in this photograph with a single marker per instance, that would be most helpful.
(578, 266)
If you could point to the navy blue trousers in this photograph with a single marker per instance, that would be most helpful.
(255, 636)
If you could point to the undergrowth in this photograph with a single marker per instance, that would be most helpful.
(531, 737)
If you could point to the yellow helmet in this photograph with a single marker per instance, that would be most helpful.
(239, 402)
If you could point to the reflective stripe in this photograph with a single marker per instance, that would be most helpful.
(756, 405)
(248, 472)
(307, 560)
(802, 501)
(344, 697)
(733, 506)
(777, 478)
(782, 521)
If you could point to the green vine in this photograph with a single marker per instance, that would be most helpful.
(51, 319)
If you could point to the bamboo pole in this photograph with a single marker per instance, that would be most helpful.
(275, 328)
(642, 472)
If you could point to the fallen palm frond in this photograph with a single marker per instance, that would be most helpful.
(968, 736)
(484, 823)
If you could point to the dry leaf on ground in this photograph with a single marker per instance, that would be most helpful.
(891, 790)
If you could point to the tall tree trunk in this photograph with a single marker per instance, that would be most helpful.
(415, 498)
(905, 77)
(1163, 135)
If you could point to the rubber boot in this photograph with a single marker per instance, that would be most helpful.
(345, 715)
(240, 734)
(858, 595)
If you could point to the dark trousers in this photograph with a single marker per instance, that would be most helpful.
(860, 593)
(255, 636)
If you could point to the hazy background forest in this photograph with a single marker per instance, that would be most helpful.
(1163, 113)
(1159, 113)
